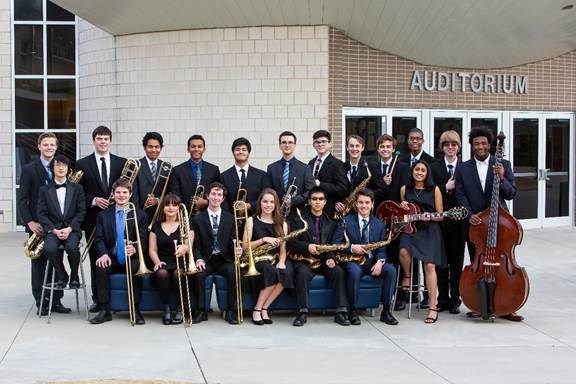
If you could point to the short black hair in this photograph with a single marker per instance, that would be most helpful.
(322, 133)
(242, 141)
(101, 130)
(365, 192)
(416, 130)
(316, 189)
(61, 159)
(152, 136)
(479, 132)
(217, 184)
(286, 133)
(196, 137)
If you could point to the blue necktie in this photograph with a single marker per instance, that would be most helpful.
(120, 228)
(364, 231)
(450, 170)
(49, 173)
(286, 174)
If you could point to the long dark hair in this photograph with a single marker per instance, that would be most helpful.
(428, 182)
(169, 198)
(276, 218)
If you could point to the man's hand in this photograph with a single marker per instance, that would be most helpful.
(450, 184)
(103, 261)
(339, 207)
(387, 179)
(377, 268)
(200, 264)
(313, 249)
(101, 202)
(35, 227)
(358, 249)
(130, 249)
(151, 201)
(201, 203)
(475, 220)
(499, 170)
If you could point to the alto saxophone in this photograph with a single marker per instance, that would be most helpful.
(313, 261)
(351, 199)
(361, 258)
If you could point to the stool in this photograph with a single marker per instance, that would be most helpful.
(418, 287)
(50, 287)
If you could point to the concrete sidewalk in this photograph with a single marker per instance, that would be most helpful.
(542, 349)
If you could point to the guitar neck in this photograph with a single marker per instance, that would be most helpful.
(420, 216)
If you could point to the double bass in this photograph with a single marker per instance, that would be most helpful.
(494, 284)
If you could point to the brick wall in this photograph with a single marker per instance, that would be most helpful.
(6, 164)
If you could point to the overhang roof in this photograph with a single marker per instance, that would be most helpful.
(452, 33)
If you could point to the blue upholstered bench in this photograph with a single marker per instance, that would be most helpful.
(321, 295)
(150, 297)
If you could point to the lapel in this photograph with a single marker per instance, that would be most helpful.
(325, 166)
(476, 176)
(189, 176)
(354, 228)
(373, 230)
(222, 229)
(41, 172)
(54, 199)
(146, 169)
(94, 170)
(489, 178)
(68, 199)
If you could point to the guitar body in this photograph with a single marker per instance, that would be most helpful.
(392, 214)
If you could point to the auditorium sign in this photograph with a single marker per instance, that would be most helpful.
(468, 81)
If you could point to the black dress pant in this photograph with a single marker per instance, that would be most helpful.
(103, 281)
(56, 257)
(214, 265)
(449, 276)
(303, 276)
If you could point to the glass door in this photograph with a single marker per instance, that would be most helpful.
(556, 174)
(441, 122)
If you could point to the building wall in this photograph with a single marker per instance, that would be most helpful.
(364, 77)
(221, 83)
(6, 163)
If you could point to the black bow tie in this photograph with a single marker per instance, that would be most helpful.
(63, 185)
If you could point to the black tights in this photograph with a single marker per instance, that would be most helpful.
(167, 282)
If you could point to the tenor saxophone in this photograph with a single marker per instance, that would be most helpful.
(361, 258)
(313, 261)
(351, 199)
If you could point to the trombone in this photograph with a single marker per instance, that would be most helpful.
(240, 217)
(142, 269)
(190, 267)
(164, 175)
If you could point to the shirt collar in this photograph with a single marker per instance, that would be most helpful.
(151, 161)
(417, 157)
(486, 161)
(239, 168)
(45, 162)
(322, 158)
(451, 163)
(106, 156)
(217, 213)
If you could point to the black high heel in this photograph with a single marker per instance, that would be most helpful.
(431, 320)
(266, 320)
(257, 322)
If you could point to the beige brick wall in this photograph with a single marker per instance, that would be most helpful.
(6, 164)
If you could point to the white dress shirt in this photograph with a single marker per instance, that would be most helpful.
(61, 193)
(482, 167)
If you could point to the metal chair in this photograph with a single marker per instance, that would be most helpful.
(417, 286)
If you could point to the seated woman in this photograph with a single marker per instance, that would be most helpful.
(426, 244)
(266, 227)
(163, 252)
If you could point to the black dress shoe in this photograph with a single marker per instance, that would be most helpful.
(354, 319)
(257, 322)
(199, 316)
(139, 318)
(399, 305)
(167, 316)
(177, 317)
(232, 318)
(425, 303)
(387, 317)
(342, 318)
(59, 308)
(43, 311)
(300, 320)
(74, 284)
(454, 309)
(266, 320)
(101, 317)
(94, 308)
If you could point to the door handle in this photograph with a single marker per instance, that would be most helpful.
(545, 174)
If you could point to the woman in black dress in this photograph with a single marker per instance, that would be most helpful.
(164, 235)
(267, 228)
(426, 244)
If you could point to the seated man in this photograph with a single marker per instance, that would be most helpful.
(112, 249)
(322, 230)
(61, 211)
(363, 228)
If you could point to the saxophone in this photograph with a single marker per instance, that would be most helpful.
(351, 199)
(313, 261)
(262, 253)
(361, 258)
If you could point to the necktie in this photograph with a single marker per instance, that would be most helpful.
(317, 230)
(412, 161)
(364, 235)
(49, 173)
(354, 171)
(286, 174)
(317, 167)
(243, 176)
(384, 169)
(63, 185)
(120, 229)
(198, 174)
(104, 173)
(215, 247)
(153, 169)
(450, 170)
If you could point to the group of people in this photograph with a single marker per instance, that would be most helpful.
(290, 210)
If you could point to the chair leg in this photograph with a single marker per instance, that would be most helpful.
(43, 294)
(398, 287)
(411, 290)
(51, 293)
(83, 286)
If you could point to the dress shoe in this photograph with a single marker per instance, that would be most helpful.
(167, 316)
(94, 308)
(59, 308)
(512, 317)
(101, 317)
(442, 306)
(387, 317)
(199, 316)
(266, 319)
(300, 320)
(232, 318)
(473, 315)
(400, 304)
(354, 319)
(342, 318)
(139, 318)
(60, 284)
(177, 317)
(254, 321)
(425, 303)
(43, 311)
(454, 308)
(74, 284)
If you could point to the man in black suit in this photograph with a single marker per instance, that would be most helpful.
(386, 181)
(253, 180)
(415, 141)
(474, 180)
(328, 171)
(453, 231)
(61, 210)
(114, 250)
(150, 168)
(34, 175)
(214, 253)
(194, 172)
(289, 170)
(322, 230)
(101, 169)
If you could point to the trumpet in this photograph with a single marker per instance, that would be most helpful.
(190, 267)
(198, 193)
(351, 198)
(290, 193)
(164, 175)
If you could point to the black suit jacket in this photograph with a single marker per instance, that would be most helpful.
(256, 181)
(34, 176)
(182, 179)
(144, 182)
(202, 226)
(361, 174)
(304, 180)
(405, 157)
(333, 181)
(49, 213)
(440, 177)
(105, 238)
(92, 185)
(388, 192)
(330, 233)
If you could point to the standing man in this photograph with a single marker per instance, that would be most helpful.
(328, 171)
(415, 141)
(101, 169)
(194, 172)
(150, 168)
(474, 180)
(289, 170)
(443, 172)
(36, 174)
(385, 180)
(253, 180)
(61, 210)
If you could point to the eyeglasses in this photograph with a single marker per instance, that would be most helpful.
(415, 139)
(317, 198)
(321, 141)
(450, 144)
(287, 143)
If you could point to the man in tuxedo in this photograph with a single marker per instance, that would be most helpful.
(474, 180)
(253, 180)
(101, 169)
(114, 249)
(61, 210)
(194, 172)
(321, 230)
(415, 141)
(328, 171)
(363, 228)
(289, 170)
(453, 231)
(386, 181)
(214, 253)
(150, 168)
(34, 175)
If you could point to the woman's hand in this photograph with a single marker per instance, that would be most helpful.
(274, 241)
(281, 265)
(159, 265)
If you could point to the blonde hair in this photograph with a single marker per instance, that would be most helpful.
(450, 136)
